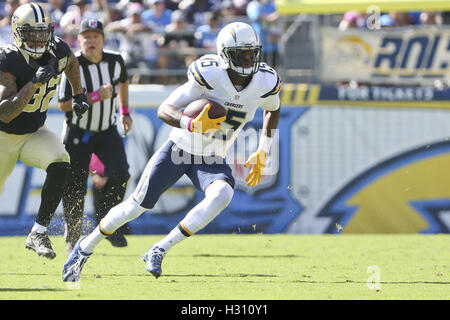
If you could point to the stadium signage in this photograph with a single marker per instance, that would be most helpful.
(377, 96)
(385, 94)
(400, 56)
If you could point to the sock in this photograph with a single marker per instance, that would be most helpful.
(52, 191)
(217, 196)
(38, 228)
(171, 239)
(116, 217)
(89, 243)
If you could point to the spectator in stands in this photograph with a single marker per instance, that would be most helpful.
(240, 6)
(157, 17)
(70, 21)
(196, 10)
(57, 8)
(396, 19)
(430, 18)
(131, 23)
(102, 10)
(136, 40)
(206, 34)
(229, 12)
(401, 19)
(263, 15)
(123, 5)
(386, 21)
(350, 20)
(178, 41)
(5, 23)
(172, 5)
(415, 17)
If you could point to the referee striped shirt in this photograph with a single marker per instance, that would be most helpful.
(102, 114)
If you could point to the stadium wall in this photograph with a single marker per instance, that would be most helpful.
(364, 160)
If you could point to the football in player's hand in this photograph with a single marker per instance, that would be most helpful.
(194, 108)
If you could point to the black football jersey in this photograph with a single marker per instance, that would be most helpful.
(13, 61)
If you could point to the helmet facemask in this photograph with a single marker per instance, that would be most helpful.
(243, 60)
(35, 40)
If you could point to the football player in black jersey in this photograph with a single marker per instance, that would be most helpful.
(30, 70)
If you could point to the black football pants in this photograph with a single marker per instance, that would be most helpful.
(109, 148)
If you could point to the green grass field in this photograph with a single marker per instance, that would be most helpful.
(235, 267)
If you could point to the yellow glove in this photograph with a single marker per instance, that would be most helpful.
(258, 160)
(203, 123)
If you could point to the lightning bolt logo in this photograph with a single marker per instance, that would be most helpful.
(408, 193)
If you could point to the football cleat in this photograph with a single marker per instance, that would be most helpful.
(153, 258)
(74, 264)
(41, 244)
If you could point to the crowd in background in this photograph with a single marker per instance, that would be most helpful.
(160, 38)
(355, 19)
(157, 35)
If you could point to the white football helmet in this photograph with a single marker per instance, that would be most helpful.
(239, 48)
(32, 29)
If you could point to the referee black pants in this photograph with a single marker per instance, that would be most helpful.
(109, 148)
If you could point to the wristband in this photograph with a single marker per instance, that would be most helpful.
(124, 110)
(95, 96)
(264, 143)
(185, 123)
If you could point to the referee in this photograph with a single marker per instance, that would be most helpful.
(95, 134)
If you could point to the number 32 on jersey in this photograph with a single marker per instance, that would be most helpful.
(42, 97)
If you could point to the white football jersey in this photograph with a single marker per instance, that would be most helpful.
(207, 79)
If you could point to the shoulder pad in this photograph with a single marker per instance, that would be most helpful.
(59, 41)
(203, 70)
(61, 48)
(8, 48)
(9, 55)
(271, 80)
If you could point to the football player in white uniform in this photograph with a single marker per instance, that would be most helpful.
(237, 80)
